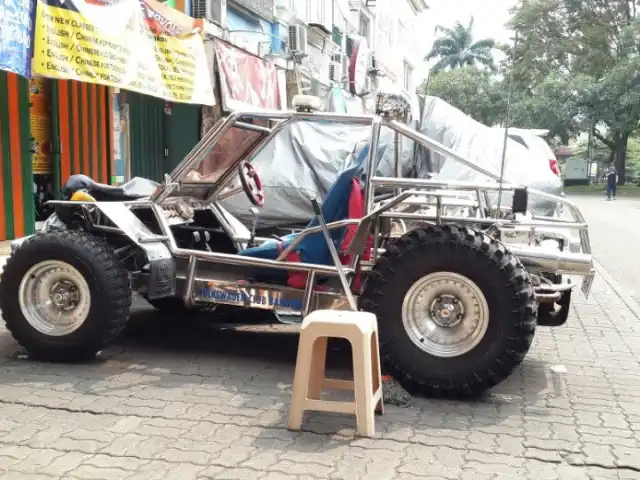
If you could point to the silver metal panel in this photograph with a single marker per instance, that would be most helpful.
(132, 227)
(267, 297)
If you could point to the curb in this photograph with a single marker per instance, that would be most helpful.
(618, 289)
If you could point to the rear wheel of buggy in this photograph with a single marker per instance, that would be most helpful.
(456, 310)
(64, 296)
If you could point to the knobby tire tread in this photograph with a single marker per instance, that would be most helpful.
(115, 277)
(443, 240)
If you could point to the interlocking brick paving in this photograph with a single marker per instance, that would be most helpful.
(178, 399)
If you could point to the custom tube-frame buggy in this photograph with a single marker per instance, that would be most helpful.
(457, 282)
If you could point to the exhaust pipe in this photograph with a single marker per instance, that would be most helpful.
(554, 262)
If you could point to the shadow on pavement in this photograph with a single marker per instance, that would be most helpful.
(243, 376)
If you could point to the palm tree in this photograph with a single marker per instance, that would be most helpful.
(456, 48)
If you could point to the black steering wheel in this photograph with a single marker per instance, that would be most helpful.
(251, 183)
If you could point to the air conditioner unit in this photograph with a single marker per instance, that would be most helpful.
(199, 9)
(298, 39)
(335, 72)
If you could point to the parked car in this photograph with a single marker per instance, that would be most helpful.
(533, 140)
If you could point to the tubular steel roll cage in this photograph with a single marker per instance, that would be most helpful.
(532, 257)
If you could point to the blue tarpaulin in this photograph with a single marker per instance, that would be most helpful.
(16, 27)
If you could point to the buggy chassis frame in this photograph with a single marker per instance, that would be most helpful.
(164, 247)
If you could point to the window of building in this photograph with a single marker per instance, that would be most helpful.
(364, 26)
(402, 33)
(408, 74)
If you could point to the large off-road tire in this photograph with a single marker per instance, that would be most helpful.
(456, 310)
(64, 295)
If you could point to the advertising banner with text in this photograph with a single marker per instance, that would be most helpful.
(138, 45)
(16, 21)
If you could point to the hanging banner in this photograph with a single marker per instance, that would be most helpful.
(246, 81)
(139, 45)
(16, 22)
(40, 99)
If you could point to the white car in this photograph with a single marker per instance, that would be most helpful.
(533, 140)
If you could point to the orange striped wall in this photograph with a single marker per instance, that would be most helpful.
(83, 114)
(16, 199)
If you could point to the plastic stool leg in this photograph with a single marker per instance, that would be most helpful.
(363, 383)
(300, 382)
(316, 374)
(377, 370)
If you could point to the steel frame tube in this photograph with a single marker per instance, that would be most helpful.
(373, 162)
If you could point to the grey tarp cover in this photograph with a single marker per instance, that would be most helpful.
(303, 161)
(483, 146)
(305, 158)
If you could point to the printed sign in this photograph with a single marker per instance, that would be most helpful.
(139, 45)
(15, 36)
(40, 99)
(246, 80)
(232, 294)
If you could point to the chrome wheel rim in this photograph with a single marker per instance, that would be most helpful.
(54, 298)
(445, 314)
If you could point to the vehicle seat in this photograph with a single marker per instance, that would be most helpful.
(132, 190)
(345, 199)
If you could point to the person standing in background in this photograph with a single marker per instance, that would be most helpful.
(612, 182)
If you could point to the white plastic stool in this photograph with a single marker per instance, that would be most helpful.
(361, 330)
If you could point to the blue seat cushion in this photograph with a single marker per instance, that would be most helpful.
(268, 250)
(313, 248)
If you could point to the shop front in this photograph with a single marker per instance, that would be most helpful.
(119, 112)
(16, 180)
(17, 205)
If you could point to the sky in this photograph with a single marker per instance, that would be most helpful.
(489, 17)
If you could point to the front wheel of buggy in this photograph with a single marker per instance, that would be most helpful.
(456, 310)
(64, 296)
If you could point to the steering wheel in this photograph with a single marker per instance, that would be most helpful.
(251, 183)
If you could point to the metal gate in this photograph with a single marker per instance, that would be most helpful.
(161, 134)
(146, 127)
(81, 126)
(16, 199)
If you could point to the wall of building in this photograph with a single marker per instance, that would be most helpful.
(400, 42)
(249, 31)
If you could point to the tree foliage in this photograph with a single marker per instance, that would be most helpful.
(574, 67)
(552, 104)
(471, 89)
(457, 48)
(592, 47)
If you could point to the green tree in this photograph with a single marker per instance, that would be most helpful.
(475, 91)
(456, 48)
(593, 48)
(552, 104)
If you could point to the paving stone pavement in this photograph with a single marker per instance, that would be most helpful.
(614, 230)
(198, 402)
